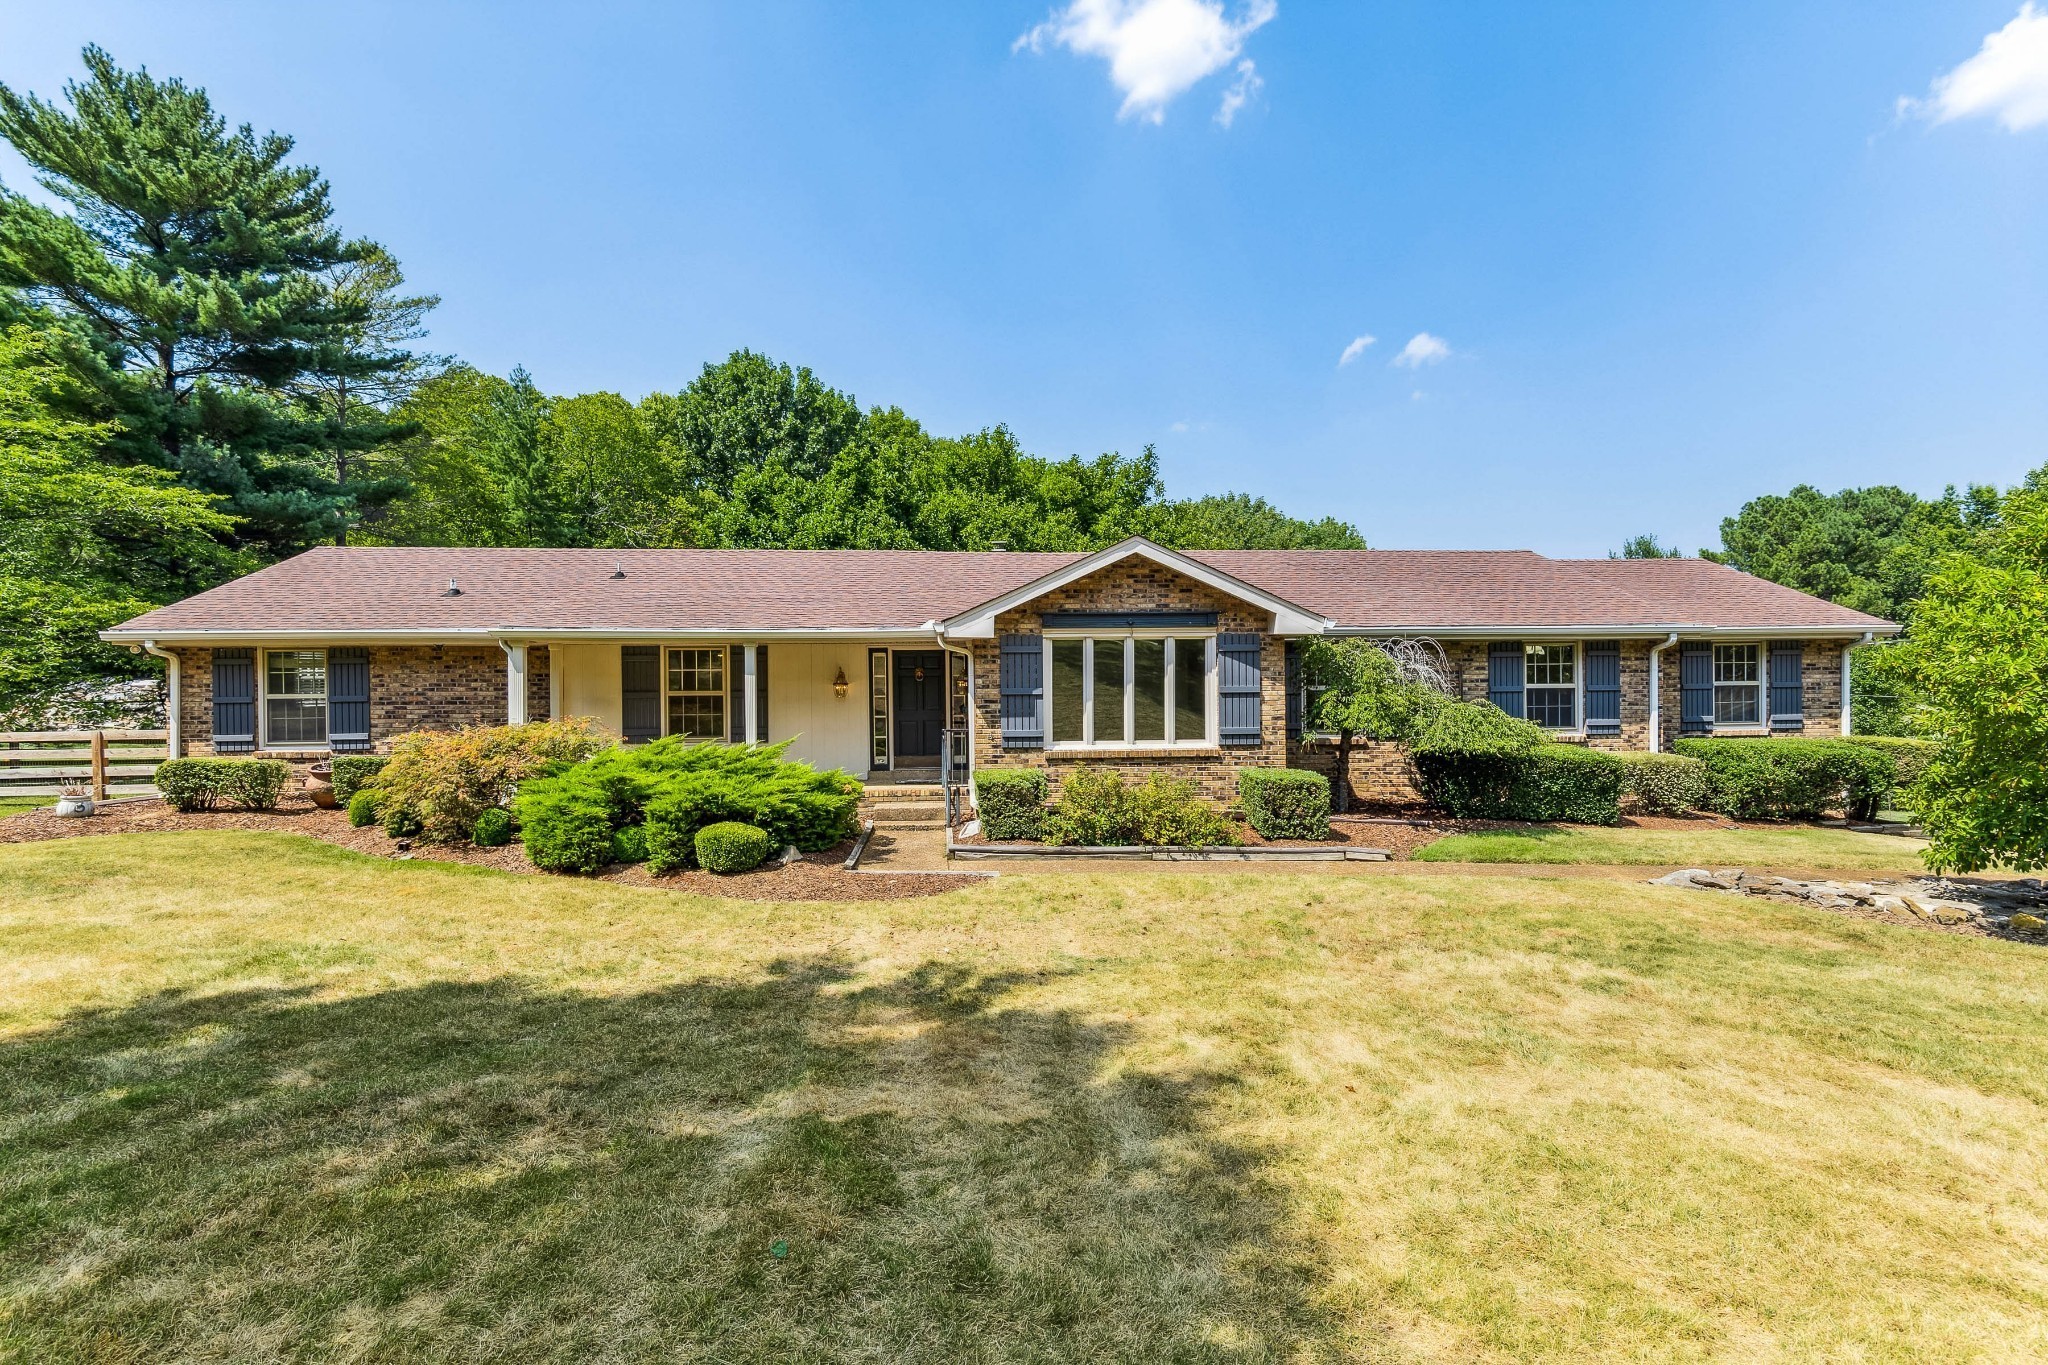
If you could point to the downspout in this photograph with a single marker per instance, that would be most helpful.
(966, 657)
(1656, 703)
(173, 692)
(1848, 719)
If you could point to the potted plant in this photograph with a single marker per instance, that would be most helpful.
(320, 784)
(73, 799)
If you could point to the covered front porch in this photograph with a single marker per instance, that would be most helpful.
(876, 706)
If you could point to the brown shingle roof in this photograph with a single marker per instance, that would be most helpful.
(395, 589)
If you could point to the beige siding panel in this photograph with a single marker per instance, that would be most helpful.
(590, 681)
(832, 731)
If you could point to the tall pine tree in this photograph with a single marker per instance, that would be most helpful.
(192, 258)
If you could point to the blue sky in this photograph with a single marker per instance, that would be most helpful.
(1675, 256)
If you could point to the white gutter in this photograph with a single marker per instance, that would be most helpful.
(1656, 704)
(1635, 632)
(939, 633)
(173, 692)
(1848, 720)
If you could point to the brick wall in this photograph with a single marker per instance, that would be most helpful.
(412, 687)
(1138, 584)
(1820, 675)
(538, 665)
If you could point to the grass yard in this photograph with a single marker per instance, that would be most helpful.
(10, 805)
(264, 1099)
(1793, 846)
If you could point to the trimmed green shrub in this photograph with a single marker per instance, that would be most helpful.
(1910, 757)
(448, 778)
(730, 846)
(569, 835)
(1285, 803)
(1665, 784)
(364, 806)
(629, 845)
(1011, 802)
(1099, 809)
(493, 829)
(672, 788)
(353, 771)
(1566, 782)
(399, 821)
(1792, 778)
(1469, 757)
(192, 784)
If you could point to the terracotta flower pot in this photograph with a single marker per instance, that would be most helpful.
(320, 785)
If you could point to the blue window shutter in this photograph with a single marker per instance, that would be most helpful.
(760, 694)
(736, 693)
(1021, 681)
(1695, 688)
(234, 699)
(1296, 701)
(1787, 687)
(1237, 689)
(1504, 675)
(640, 691)
(348, 700)
(1603, 687)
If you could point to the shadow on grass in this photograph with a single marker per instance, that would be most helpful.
(788, 1168)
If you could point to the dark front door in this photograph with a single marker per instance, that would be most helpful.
(920, 705)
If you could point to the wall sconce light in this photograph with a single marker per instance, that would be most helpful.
(839, 684)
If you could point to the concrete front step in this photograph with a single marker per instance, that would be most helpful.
(907, 791)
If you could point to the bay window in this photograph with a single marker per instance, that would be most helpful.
(1111, 691)
(295, 698)
(696, 692)
(1738, 685)
(1550, 683)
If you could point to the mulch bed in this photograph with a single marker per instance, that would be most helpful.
(815, 877)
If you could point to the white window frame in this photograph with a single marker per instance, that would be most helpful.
(1762, 685)
(264, 742)
(724, 693)
(1578, 649)
(1126, 639)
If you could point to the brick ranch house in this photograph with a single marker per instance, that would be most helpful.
(1136, 657)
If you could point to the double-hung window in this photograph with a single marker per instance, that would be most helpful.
(1738, 685)
(1109, 691)
(295, 698)
(1550, 683)
(696, 692)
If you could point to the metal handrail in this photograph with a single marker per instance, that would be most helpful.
(953, 772)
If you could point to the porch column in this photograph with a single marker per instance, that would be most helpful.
(753, 698)
(515, 683)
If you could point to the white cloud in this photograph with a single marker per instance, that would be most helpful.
(1157, 49)
(2006, 80)
(1422, 349)
(1247, 84)
(1354, 350)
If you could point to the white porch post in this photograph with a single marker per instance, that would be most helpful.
(515, 683)
(752, 699)
(1848, 721)
(554, 683)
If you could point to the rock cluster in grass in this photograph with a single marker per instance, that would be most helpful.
(2019, 908)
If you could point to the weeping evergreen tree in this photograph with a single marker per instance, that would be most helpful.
(194, 262)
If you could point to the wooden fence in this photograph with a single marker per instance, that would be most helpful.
(104, 762)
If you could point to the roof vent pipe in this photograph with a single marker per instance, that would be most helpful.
(620, 570)
(453, 591)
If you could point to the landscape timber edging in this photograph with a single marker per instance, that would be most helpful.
(1263, 853)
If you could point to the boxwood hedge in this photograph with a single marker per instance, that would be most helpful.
(1792, 778)
(1285, 803)
(1011, 802)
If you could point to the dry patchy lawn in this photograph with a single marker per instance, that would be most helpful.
(1779, 846)
(263, 1099)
